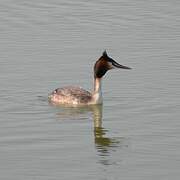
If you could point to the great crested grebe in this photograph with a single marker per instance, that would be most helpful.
(72, 95)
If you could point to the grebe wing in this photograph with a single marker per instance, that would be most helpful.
(75, 93)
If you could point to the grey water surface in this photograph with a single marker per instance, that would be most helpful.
(46, 44)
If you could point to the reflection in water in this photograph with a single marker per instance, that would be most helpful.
(102, 142)
(105, 146)
(68, 112)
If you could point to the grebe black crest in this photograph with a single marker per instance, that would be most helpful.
(73, 95)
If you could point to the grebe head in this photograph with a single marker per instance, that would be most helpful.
(105, 63)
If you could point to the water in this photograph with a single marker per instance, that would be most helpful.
(49, 44)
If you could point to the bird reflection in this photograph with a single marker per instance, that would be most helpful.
(103, 144)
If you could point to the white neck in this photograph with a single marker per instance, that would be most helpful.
(97, 93)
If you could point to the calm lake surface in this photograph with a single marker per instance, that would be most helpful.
(46, 44)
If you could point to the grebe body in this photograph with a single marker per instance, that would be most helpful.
(73, 95)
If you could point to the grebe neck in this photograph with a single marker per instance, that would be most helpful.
(97, 93)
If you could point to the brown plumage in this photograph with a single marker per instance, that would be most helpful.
(72, 94)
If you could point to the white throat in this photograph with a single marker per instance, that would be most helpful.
(97, 94)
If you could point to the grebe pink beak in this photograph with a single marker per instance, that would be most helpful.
(117, 65)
